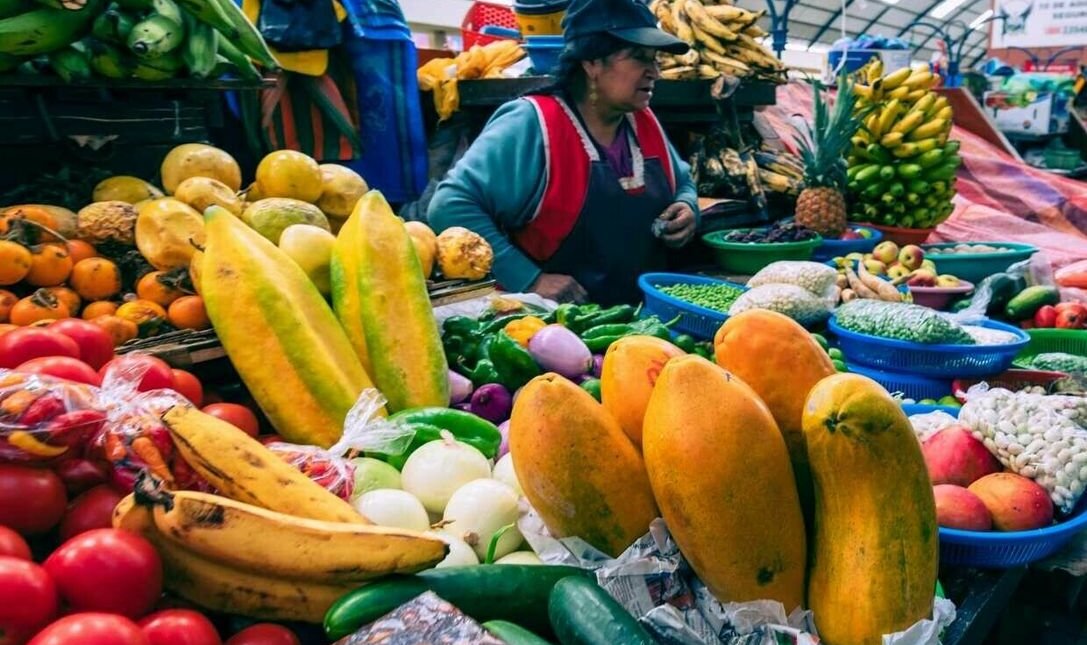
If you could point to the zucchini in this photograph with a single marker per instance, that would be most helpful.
(584, 614)
(1030, 300)
(484, 592)
(512, 634)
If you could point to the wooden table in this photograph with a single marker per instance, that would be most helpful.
(980, 597)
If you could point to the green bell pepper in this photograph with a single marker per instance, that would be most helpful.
(514, 365)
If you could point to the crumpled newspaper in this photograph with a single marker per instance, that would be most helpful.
(654, 582)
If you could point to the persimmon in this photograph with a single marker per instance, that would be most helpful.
(141, 311)
(96, 278)
(188, 312)
(119, 329)
(15, 261)
(7, 301)
(80, 250)
(67, 296)
(50, 265)
(160, 287)
(40, 305)
(99, 308)
(31, 213)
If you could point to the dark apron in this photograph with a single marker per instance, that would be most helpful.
(612, 242)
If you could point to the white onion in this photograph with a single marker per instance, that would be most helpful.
(438, 468)
(460, 554)
(480, 508)
(396, 508)
(505, 473)
(520, 557)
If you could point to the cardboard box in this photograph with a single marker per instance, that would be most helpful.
(1033, 113)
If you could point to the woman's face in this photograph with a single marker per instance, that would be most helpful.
(624, 81)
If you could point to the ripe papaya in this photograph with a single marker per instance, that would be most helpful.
(874, 548)
(782, 362)
(379, 284)
(720, 471)
(631, 368)
(576, 466)
(279, 332)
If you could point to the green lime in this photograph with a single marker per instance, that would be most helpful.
(819, 338)
(950, 401)
(840, 366)
(592, 386)
(836, 354)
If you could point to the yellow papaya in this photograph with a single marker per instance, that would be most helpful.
(279, 332)
(720, 471)
(874, 548)
(631, 368)
(576, 466)
(379, 286)
(781, 361)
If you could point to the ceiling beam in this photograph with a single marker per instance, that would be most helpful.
(830, 21)
(947, 22)
(920, 16)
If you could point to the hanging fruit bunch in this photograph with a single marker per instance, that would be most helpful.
(902, 165)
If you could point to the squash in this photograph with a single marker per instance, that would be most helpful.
(720, 471)
(631, 368)
(782, 362)
(576, 466)
(874, 549)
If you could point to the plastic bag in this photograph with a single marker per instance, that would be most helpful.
(901, 321)
(299, 25)
(815, 277)
(44, 419)
(1035, 270)
(795, 302)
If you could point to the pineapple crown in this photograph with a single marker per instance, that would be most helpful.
(823, 145)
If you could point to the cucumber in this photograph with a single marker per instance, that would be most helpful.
(1030, 300)
(512, 634)
(484, 592)
(584, 614)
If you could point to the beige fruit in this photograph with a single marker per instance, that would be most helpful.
(113, 221)
(311, 248)
(290, 174)
(168, 231)
(341, 189)
(271, 216)
(201, 192)
(463, 254)
(199, 160)
(426, 245)
(124, 188)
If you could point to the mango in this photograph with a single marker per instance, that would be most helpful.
(954, 456)
(1015, 502)
(720, 472)
(958, 508)
(631, 367)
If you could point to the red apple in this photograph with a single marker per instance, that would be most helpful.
(954, 456)
(958, 508)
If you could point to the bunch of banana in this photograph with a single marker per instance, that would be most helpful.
(242, 559)
(143, 39)
(780, 172)
(902, 165)
(722, 171)
(723, 40)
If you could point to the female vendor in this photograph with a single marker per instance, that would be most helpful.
(577, 188)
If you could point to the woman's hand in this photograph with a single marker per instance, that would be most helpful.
(560, 288)
(679, 224)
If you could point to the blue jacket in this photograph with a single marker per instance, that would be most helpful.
(495, 187)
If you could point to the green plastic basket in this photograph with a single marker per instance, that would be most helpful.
(1066, 341)
(747, 258)
(975, 267)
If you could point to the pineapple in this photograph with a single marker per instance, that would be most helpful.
(821, 205)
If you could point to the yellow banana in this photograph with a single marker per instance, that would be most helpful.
(708, 71)
(284, 546)
(664, 16)
(946, 114)
(776, 182)
(682, 25)
(920, 80)
(755, 31)
(939, 104)
(891, 140)
(916, 95)
(730, 65)
(708, 41)
(896, 78)
(899, 93)
(691, 58)
(241, 468)
(866, 92)
(888, 115)
(730, 13)
(860, 139)
(925, 102)
(679, 73)
(907, 123)
(914, 148)
(707, 23)
(928, 130)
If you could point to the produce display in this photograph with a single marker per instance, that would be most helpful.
(901, 164)
(151, 40)
(778, 232)
(718, 297)
(868, 275)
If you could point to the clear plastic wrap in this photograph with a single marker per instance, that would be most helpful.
(815, 277)
(45, 419)
(901, 321)
(795, 302)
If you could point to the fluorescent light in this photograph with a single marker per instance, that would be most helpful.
(819, 48)
(889, 1)
(981, 19)
(944, 8)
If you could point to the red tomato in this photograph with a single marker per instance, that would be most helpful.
(91, 629)
(13, 545)
(179, 627)
(20, 345)
(69, 369)
(189, 387)
(32, 500)
(157, 377)
(107, 570)
(264, 634)
(28, 599)
(91, 510)
(95, 343)
(236, 415)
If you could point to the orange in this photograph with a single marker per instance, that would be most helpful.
(40, 305)
(15, 260)
(119, 329)
(158, 287)
(7, 301)
(188, 312)
(99, 308)
(80, 250)
(140, 311)
(70, 298)
(96, 278)
(50, 265)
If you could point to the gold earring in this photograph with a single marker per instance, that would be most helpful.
(592, 92)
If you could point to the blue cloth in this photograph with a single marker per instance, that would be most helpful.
(383, 60)
(495, 188)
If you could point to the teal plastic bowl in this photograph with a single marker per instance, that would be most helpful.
(747, 258)
(975, 267)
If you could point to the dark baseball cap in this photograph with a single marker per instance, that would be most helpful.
(628, 20)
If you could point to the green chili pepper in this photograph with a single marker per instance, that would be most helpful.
(565, 313)
(460, 325)
(515, 366)
(617, 329)
(685, 342)
(428, 424)
(499, 324)
(600, 344)
(614, 315)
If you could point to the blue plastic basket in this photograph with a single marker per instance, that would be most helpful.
(544, 52)
(910, 386)
(694, 320)
(840, 248)
(914, 408)
(999, 550)
(946, 361)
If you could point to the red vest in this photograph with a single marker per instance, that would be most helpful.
(567, 163)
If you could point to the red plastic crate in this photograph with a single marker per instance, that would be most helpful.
(486, 14)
